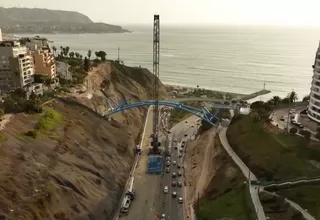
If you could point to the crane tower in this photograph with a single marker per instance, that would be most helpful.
(156, 59)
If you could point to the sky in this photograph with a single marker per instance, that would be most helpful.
(271, 12)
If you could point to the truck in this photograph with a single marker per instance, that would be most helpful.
(128, 197)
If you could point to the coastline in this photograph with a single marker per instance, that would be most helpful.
(238, 96)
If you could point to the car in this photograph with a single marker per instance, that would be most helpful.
(173, 183)
(175, 147)
(168, 163)
(168, 170)
(174, 194)
(174, 162)
(180, 149)
(281, 118)
(183, 142)
(163, 217)
(192, 126)
(174, 175)
(166, 189)
(179, 173)
(186, 121)
(186, 135)
(180, 155)
(179, 184)
(180, 200)
(178, 166)
(300, 125)
(168, 158)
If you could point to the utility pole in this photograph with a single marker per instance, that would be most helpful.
(288, 119)
(119, 54)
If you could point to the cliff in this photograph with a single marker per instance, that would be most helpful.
(36, 20)
(77, 164)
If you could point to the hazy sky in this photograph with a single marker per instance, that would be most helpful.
(294, 12)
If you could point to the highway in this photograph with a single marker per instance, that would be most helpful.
(146, 204)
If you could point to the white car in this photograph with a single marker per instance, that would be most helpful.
(163, 217)
(174, 162)
(180, 200)
(166, 189)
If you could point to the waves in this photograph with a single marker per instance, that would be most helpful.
(220, 58)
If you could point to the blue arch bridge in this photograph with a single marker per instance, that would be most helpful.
(202, 113)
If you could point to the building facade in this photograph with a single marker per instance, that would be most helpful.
(314, 102)
(16, 66)
(44, 63)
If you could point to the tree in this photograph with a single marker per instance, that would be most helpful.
(67, 50)
(71, 54)
(1, 112)
(292, 96)
(77, 55)
(54, 50)
(80, 56)
(293, 130)
(86, 64)
(306, 98)
(305, 133)
(32, 96)
(101, 54)
(61, 53)
(276, 100)
(89, 54)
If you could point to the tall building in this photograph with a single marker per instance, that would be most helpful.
(0, 35)
(44, 63)
(314, 102)
(16, 66)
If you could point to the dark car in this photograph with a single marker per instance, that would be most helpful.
(179, 166)
(180, 173)
(173, 184)
(174, 175)
(179, 184)
(168, 170)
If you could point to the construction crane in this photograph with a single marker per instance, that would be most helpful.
(156, 59)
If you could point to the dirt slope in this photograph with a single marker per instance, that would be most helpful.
(78, 169)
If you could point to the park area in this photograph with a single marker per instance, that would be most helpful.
(272, 154)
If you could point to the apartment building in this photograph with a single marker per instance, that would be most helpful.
(16, 66)
(44, 63)
(314, 102)
(36, 43)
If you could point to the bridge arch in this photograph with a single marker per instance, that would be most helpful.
(202, 113)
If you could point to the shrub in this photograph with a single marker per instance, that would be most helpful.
(305, 133)
(293, 130)
(31, 133)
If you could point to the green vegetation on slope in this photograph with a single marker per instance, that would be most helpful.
(307, 197)
(49, 120)
(235, 204)
(270, 154)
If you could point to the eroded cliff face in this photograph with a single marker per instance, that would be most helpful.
(77, 166)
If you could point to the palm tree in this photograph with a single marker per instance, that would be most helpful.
(54, 50)
(80, 56)
(276, 100)
(306, 98)
(77, 55)
(292, 96)
(71, 54)
(89, 54)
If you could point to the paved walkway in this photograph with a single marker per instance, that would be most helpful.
(245, 170)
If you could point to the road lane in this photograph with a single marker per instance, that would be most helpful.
(146, 204)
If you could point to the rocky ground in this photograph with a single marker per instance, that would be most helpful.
(76, 166)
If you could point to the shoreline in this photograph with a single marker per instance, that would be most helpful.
(245, 97)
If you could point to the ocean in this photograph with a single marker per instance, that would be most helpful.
(237, 59)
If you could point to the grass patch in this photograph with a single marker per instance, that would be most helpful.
(307, 197)
(272, 155)
(49, 120)
(235, 204)
(2, 137)
(178, 115)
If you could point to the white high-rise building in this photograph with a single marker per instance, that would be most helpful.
(16, 66)
(314, 102)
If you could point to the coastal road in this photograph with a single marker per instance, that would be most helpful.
(146, 203)
(172, 208)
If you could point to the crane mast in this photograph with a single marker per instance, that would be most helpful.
(156, 59)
